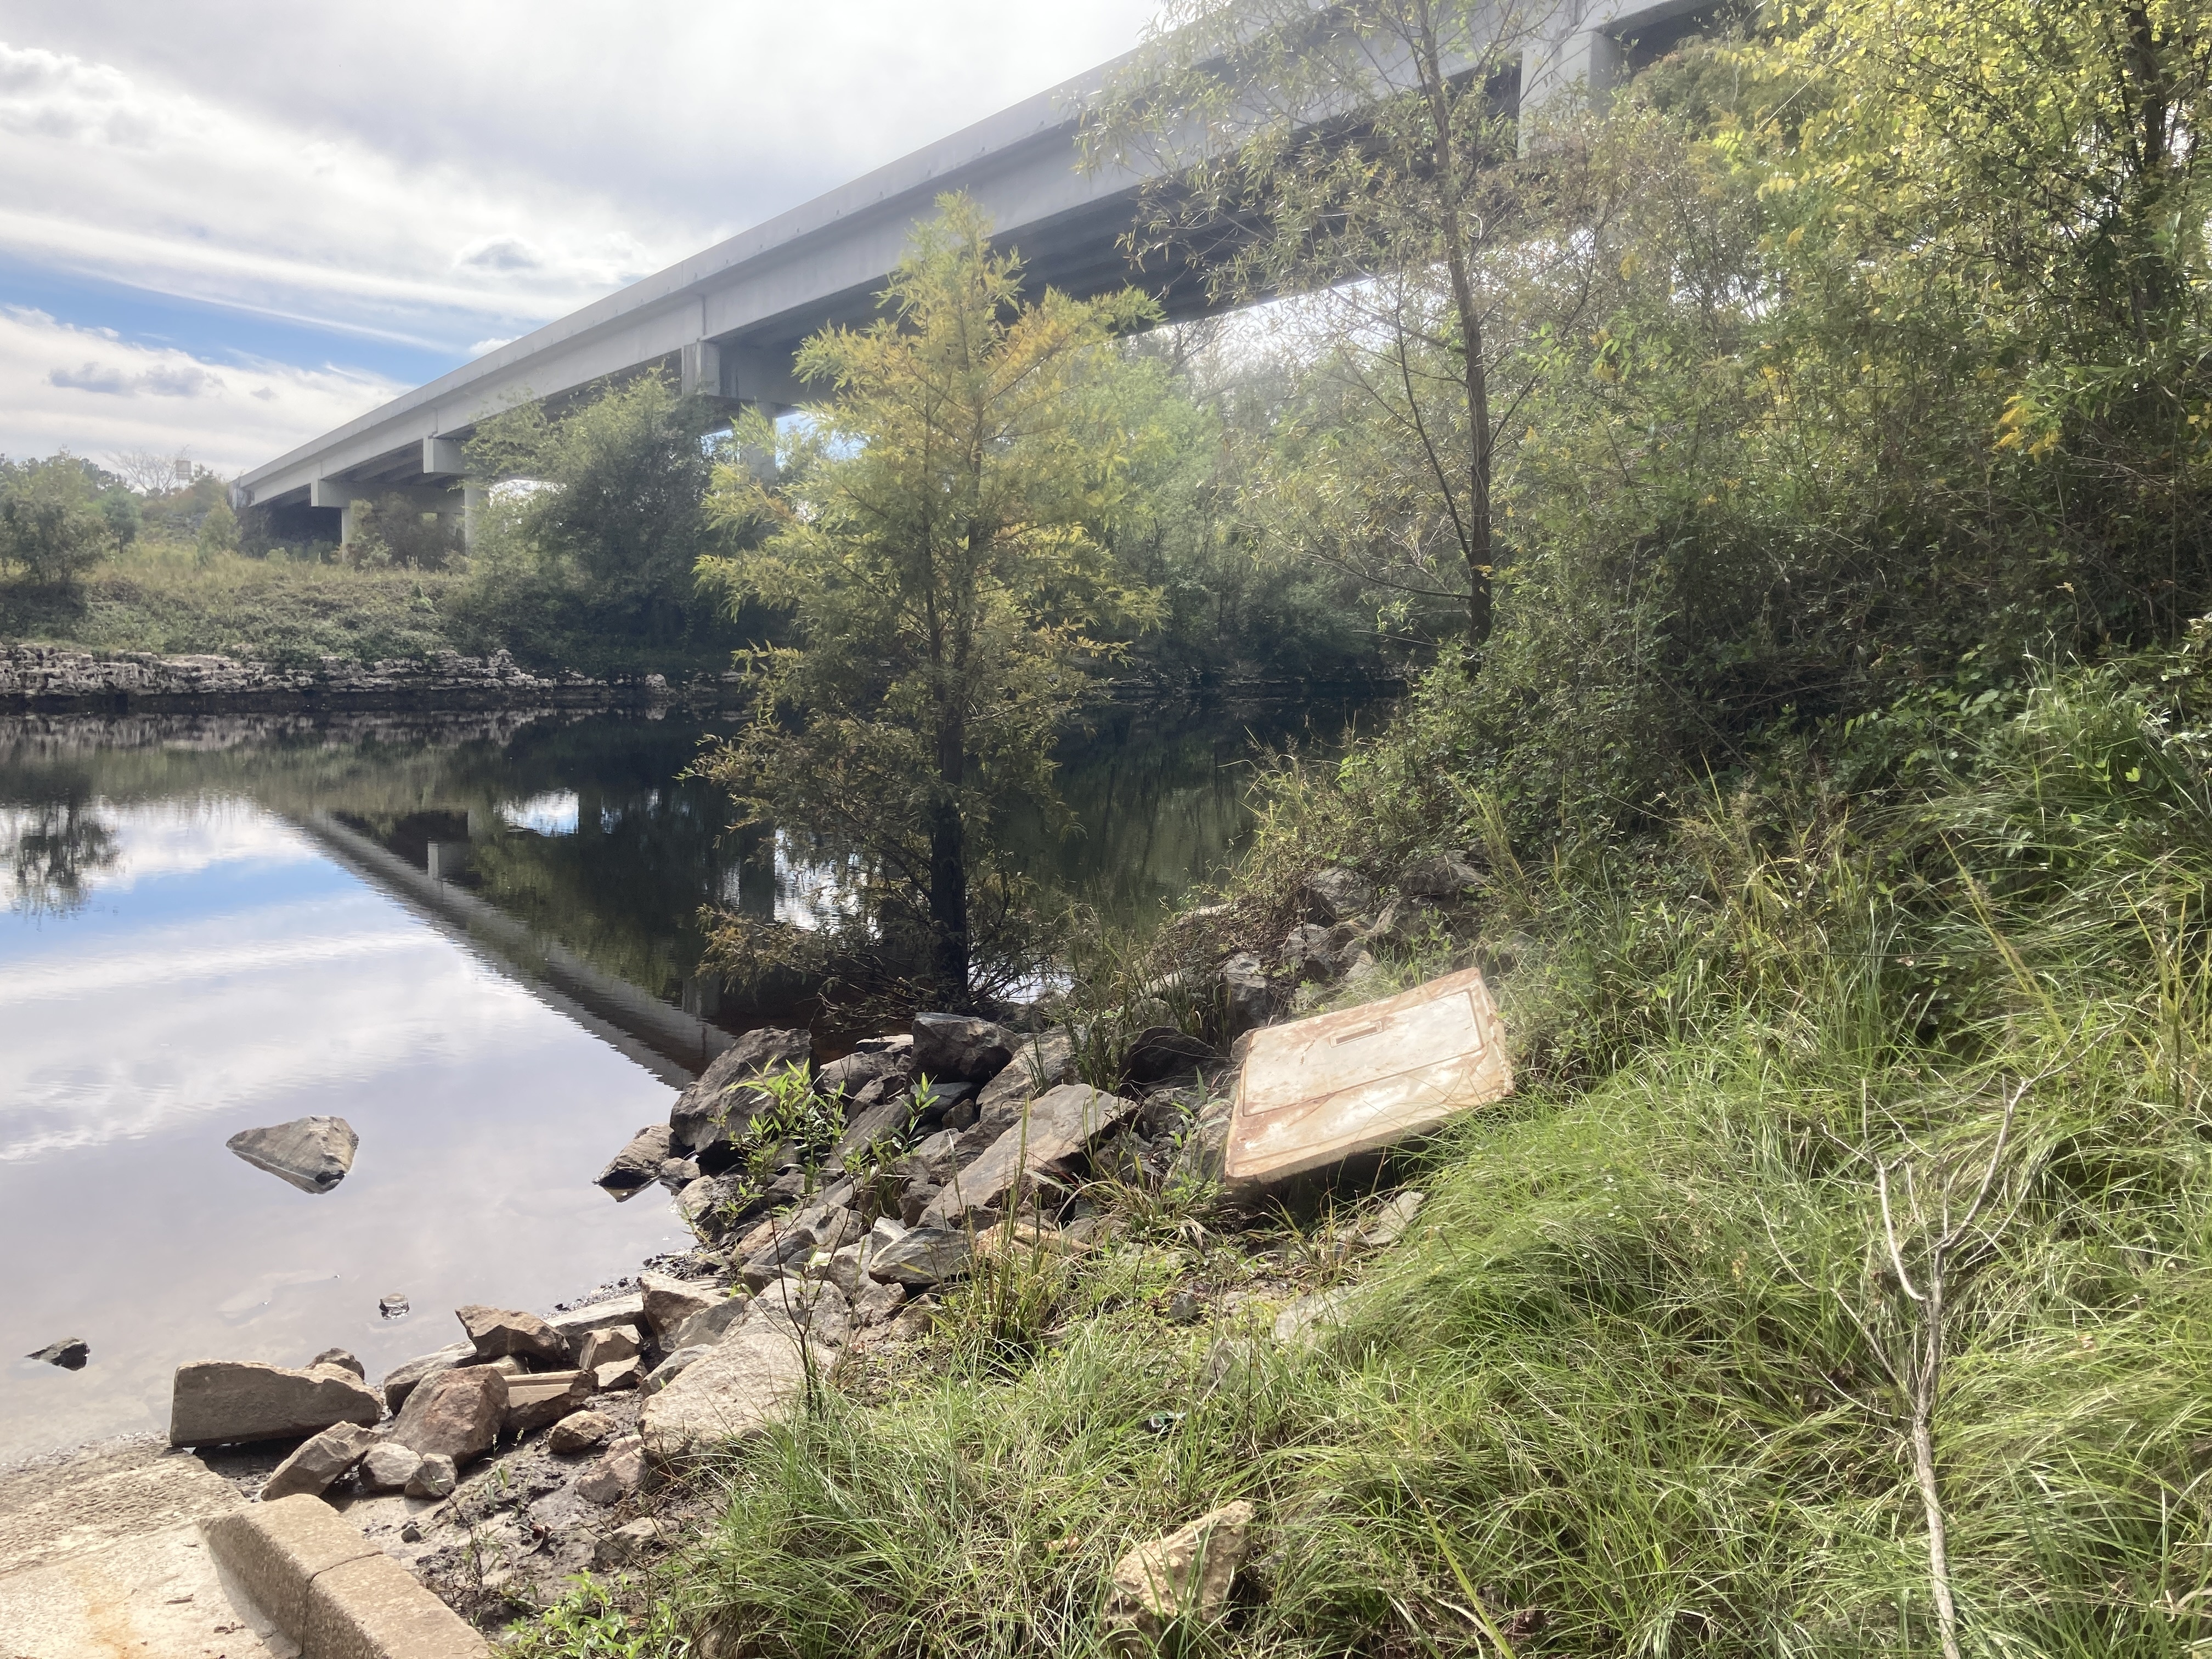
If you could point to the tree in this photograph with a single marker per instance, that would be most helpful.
(52, 527)
(218, 531)
(611, 534)
(938, 542)
(149, 474)
(1405, 212)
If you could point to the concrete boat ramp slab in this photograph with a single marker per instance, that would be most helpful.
(102, 1556)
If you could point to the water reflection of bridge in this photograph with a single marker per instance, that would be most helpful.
(672, 1043)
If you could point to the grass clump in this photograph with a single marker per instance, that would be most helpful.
(167, 598)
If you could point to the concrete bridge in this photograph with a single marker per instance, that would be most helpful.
(728, 321)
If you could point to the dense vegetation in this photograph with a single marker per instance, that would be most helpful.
(1835, 752)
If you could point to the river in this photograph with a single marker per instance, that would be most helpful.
(476, 939)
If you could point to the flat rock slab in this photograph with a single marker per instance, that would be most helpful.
(312, 1153)
(1058, 1126)
(739, 1387)
(225, 1402)
(1317, 1092)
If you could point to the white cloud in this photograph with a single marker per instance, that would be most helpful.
(118, 176)
(444, 178)
(85, 390)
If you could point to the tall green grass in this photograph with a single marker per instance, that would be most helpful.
(1617, 1394)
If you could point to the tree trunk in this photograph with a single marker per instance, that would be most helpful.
(948, 868)
(1476, 532)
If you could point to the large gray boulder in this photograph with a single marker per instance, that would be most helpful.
(390, 1466)
(456, 1413)
(318, 1462)
(738, 1388)
(1337, 895)
(496, 1332)
(1061, 1125)
(312, 1153)
(699, 1111)
(228, 1402)
(960, 1048)
(711, 1326)
(1443, 877)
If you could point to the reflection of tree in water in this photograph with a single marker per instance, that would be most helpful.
(55, 847)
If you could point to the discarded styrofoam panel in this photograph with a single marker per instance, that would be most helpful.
(1318, 1093)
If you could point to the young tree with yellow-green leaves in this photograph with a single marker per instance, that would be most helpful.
(937, 540)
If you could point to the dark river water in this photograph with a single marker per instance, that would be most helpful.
(475, 937)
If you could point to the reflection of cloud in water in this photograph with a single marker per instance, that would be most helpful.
(233, 1011)
(267, 983)
(550, 814)
(172, 838)
(179, 953)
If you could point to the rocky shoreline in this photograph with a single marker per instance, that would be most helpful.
(840, 1208)
(45, 679)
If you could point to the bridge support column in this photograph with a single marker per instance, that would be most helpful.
(446, 463)
(1589, 60)
(702, 370)
(330, 492)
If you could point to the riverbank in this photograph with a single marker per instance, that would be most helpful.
(50, 679)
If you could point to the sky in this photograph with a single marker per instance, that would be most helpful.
(227, 227)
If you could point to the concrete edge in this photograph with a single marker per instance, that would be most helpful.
(330, 1590)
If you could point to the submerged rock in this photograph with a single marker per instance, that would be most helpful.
(638, 1165)
(70, 1354)
(312, 1153)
